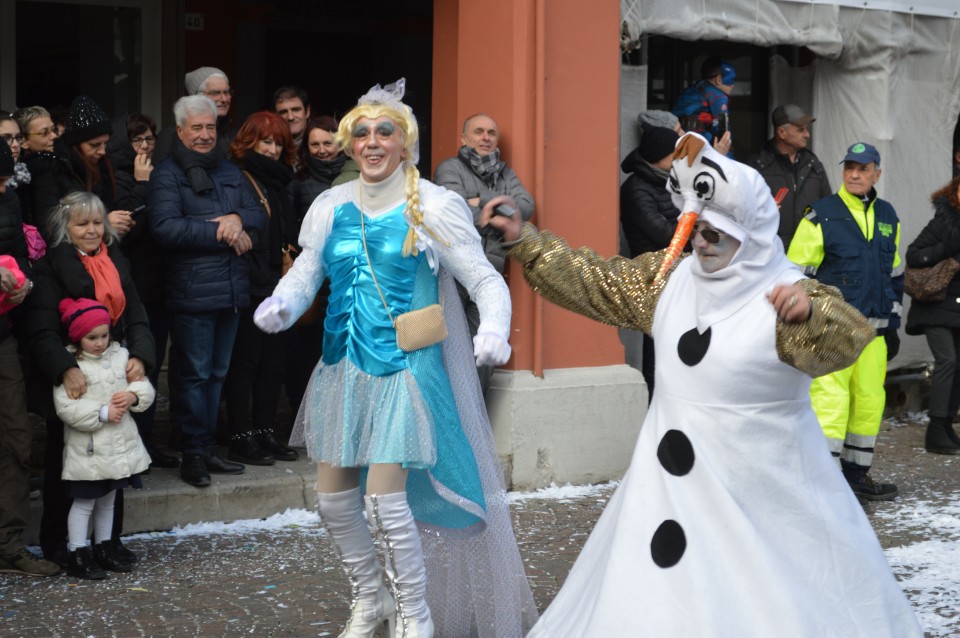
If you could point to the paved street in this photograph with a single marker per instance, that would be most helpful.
(263, 580)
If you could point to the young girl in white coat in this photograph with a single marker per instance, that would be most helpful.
(102, 449)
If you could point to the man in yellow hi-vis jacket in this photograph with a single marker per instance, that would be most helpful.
(850, 240)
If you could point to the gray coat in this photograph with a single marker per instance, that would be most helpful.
(459, 177)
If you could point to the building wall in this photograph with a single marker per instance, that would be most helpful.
(548, 73)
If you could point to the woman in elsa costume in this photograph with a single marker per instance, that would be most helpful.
(733, 518)
(404, 434)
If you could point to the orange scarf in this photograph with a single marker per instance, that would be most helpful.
(106, 281)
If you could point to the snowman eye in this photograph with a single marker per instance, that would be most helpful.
(704, 185)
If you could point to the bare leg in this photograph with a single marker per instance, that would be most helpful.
(332, 479)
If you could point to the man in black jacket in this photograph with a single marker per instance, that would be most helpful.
(15, 432)
(795, 175)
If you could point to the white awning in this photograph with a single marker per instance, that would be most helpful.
(939, 8)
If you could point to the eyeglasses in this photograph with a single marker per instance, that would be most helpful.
(12, 138)
(710, 235)
(216, 94)
(149, 140)
(44, 132)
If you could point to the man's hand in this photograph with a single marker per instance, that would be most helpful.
(243, 243)
(723, 144)
(124, 399)
(500, 200)
(229, 229)
(791, 303)
(509, 226)
(74, 383)
(135, 370)
(122, 221)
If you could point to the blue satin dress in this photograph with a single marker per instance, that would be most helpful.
(370, 402)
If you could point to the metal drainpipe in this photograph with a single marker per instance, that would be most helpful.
(922, 375)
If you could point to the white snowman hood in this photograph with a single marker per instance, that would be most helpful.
(734, 198)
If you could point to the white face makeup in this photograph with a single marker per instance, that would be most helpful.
(377, 148)
(713, 255)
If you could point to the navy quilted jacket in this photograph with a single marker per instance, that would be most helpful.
(202, 274)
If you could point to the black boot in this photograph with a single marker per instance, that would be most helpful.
(938, 439)
(194, 470)
(278, 450)
(107, 558)
(219, 465)
(162, 459)
(81, 564)
(123, 554)
(245, 448)
(866, 489)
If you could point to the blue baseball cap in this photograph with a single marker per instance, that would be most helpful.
(727, 74)
(862, 153)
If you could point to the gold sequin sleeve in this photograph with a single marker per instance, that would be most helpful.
(616, 291)
(830, 340)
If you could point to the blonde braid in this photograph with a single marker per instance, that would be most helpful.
(414, 212)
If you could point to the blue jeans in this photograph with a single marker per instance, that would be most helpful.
(203, 343)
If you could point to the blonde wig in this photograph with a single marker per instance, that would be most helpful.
(386, 102)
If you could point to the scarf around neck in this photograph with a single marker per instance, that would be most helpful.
(487, 167)
(274, 174)
(106, 281)
(197, 166)
(325, 171)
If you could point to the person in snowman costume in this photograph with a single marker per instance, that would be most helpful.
(732, 519)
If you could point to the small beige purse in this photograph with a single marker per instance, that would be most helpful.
(415, 329)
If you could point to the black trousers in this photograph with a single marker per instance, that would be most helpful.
(945, 388)
(253, 384)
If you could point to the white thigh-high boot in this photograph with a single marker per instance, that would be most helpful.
(403, 559)
(341, 514)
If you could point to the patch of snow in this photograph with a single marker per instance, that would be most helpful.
(564, 492)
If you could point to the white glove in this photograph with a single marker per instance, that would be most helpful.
(490, 349)
(272, 315)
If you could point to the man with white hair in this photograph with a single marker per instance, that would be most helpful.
(213, 83)
(201, 210)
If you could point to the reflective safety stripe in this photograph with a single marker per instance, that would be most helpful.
(858, 449)
(863, 458)
(809, 271)
(835, 445)
(878, 323)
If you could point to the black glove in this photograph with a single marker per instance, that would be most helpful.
(892, 337)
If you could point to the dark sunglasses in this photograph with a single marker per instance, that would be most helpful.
(710, 235)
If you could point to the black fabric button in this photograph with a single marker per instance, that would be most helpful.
(692, 346)
(668, 544)
(675, 453)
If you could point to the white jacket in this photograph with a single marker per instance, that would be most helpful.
(94, 450)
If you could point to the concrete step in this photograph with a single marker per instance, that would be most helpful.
(166, 501)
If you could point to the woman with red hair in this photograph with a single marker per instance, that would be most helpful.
(265, 152)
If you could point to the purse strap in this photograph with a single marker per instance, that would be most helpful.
(263, 200)
(363, 236)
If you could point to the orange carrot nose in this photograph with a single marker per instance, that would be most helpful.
(679, 240)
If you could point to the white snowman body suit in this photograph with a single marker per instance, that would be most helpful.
(733, 519)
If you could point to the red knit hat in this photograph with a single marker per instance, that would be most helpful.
(80, 316)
